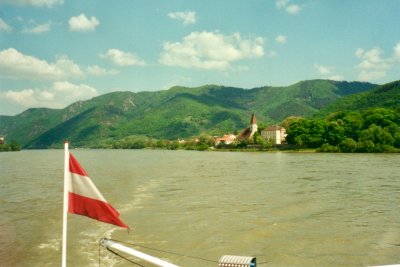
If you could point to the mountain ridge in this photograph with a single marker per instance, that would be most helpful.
(173, 113)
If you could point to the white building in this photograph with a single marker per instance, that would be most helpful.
(276, 134)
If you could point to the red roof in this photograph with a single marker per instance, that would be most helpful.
(226, 137)
(274, 128)
(246, 134)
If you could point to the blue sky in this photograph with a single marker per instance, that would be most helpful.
(56, 52)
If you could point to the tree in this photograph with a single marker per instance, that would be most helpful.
(348, 145)
(316, 133)
(14, 146)
(172, 145)
(295, 132)
(242, 144)
(396, 141)
(264, 144)
(307, 132)
(335, 132)
(289, 120)
(204, 142)
(353, 124)
(377, 135)
(380, 117)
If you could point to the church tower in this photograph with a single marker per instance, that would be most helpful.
(253, 125)
(249, 131)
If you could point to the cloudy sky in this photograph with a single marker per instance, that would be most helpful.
(55, 52)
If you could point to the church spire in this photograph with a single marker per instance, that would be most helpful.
(253, 119)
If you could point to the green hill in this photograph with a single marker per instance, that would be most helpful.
(170, 114)
(384, 96)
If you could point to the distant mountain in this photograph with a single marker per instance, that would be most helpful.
(170, 114)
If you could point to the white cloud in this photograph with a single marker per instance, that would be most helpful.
(281, 3)
(336, 78)
(323, 70)
(82, 24)
(15, 65)
(37, 29)
(68, 68)
(211, 50)
(272, 53)
(371, 75)
(48, 3)
(372, 65)
(281, 39)
(371, 58)
(359, 52)
(188, 17)
(289, 8)
(293, 9)
(122, 58)
(98, 71)
(4, 27)
(326, 72)
(59, 95)
(396, 50)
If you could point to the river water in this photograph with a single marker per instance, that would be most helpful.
(287, 209)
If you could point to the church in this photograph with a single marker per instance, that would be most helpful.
(251, 130)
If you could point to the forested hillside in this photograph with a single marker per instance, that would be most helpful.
(364, 122)
(171, 114)
(385, 96)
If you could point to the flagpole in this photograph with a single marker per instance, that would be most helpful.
(65, 205)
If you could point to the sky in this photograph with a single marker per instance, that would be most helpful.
(56, 52)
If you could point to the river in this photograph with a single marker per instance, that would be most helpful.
(286, 209)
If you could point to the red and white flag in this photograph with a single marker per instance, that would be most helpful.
(85, 199)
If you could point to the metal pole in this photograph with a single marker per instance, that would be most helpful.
(65, 206)
(111, 244)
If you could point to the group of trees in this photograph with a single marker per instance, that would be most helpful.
(203, 142)
(13, 146)
(374, 130)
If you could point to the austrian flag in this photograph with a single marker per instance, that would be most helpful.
(85, 199)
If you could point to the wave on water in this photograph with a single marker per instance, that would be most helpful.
(52, 244)
(140, 195)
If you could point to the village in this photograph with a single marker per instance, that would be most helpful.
(274, 135)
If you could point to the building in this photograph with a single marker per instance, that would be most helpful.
(276, 134)
(250, 131)
(2, 141)
(226, 139)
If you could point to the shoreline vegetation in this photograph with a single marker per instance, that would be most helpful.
(13, 146)
(375, 130)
